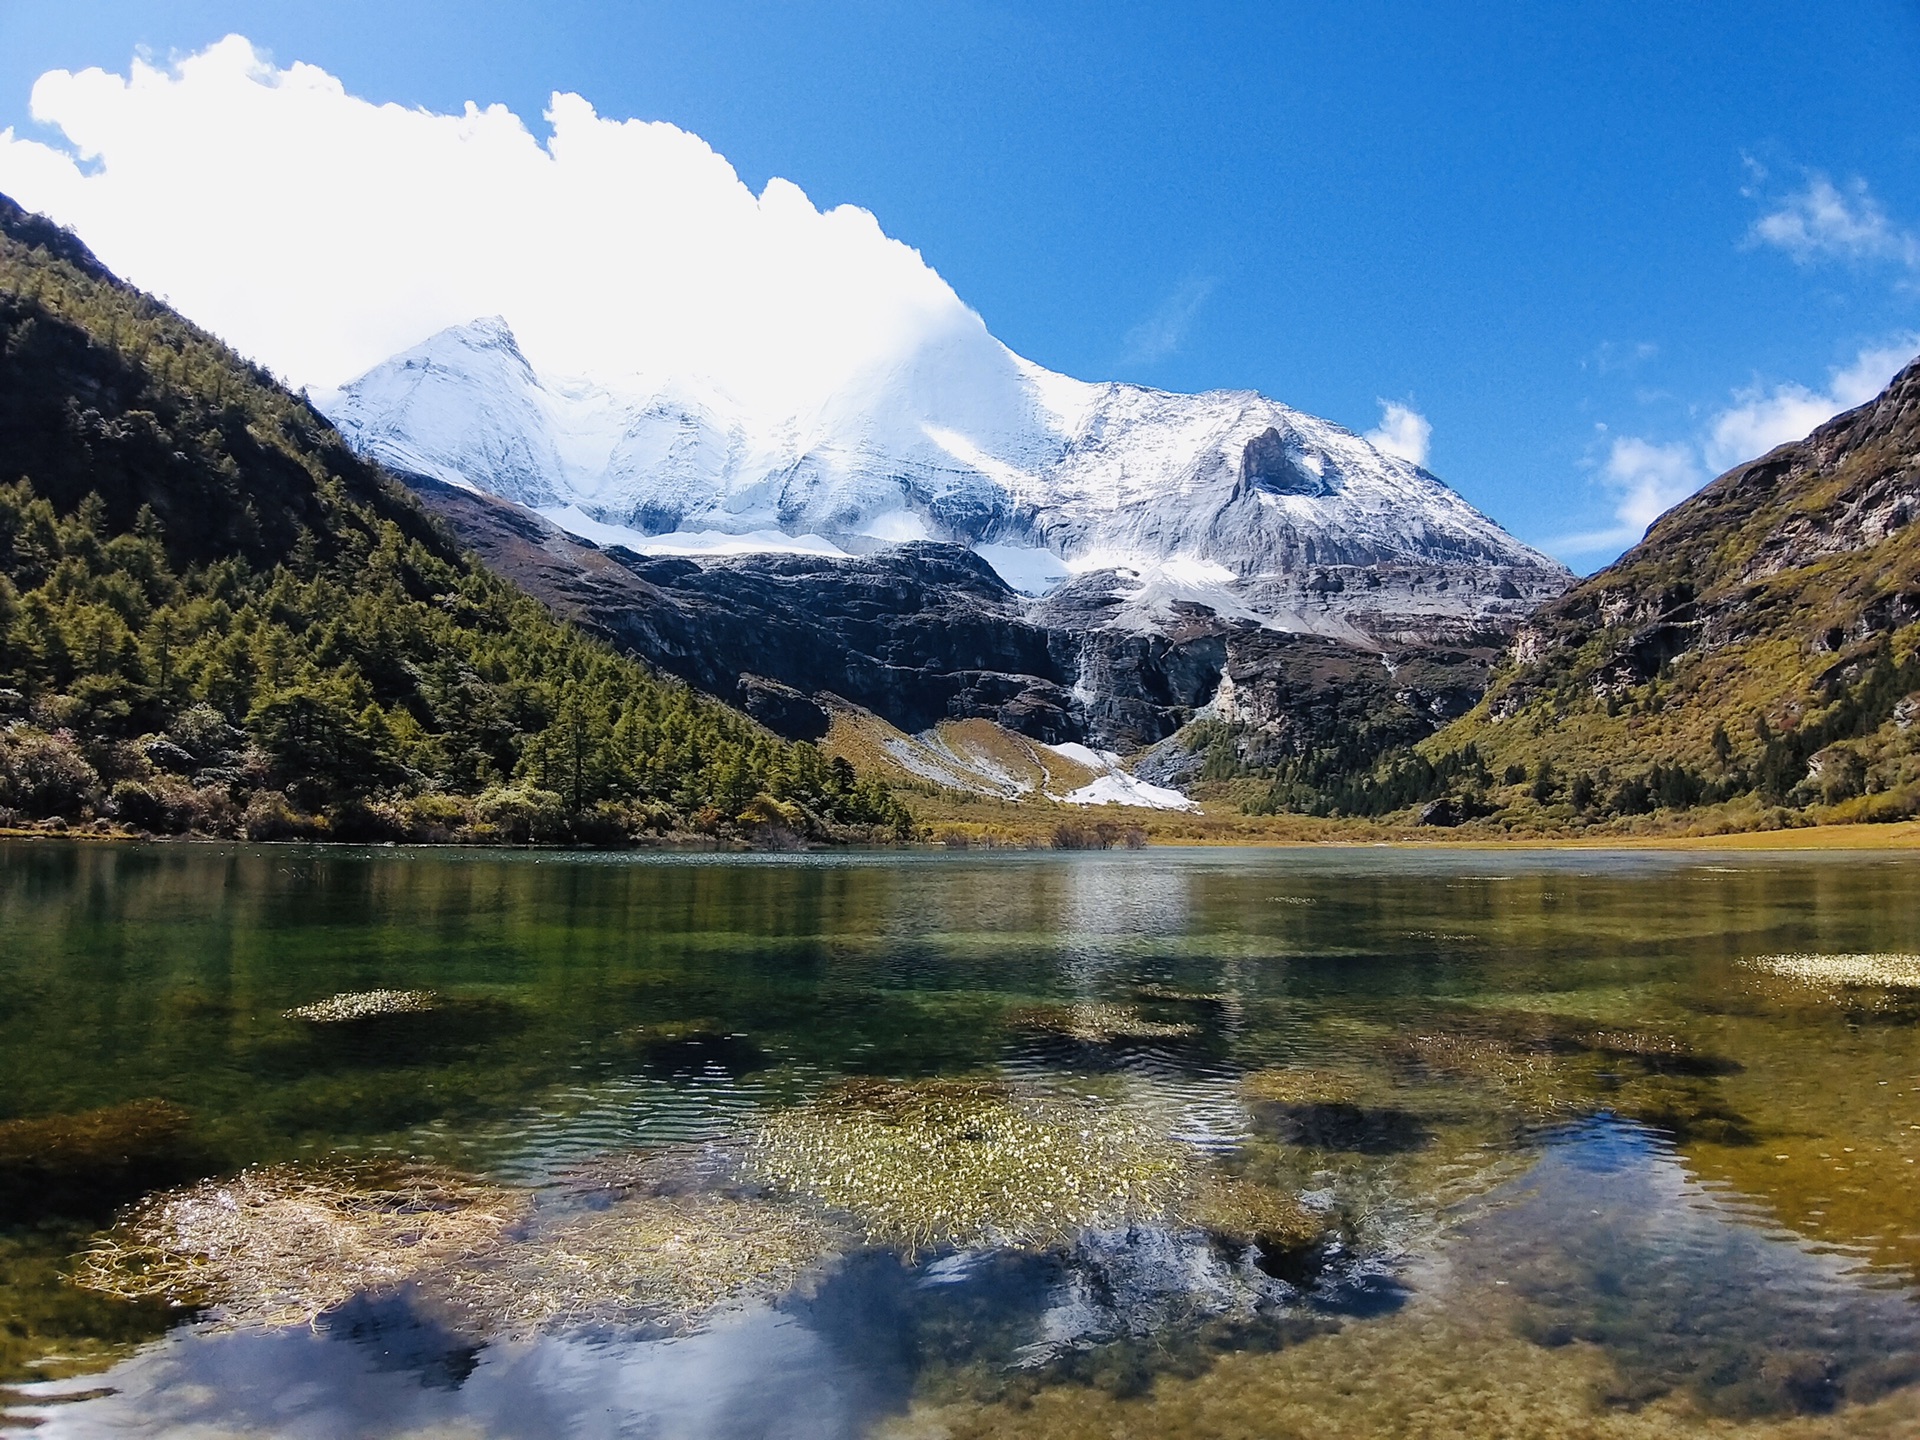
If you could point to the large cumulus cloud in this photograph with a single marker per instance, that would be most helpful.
(320, 233)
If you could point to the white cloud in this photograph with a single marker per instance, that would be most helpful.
(1823, 221)
(1164, 331)
(1647, 479)
(321, 233)
(1402, 431)
(1761, 418)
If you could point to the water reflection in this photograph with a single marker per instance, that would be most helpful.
(1608, 1241)
(1542, 1102)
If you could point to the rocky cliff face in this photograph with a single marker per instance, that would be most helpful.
(1810, 545)
(1769, 617)
(922, 633)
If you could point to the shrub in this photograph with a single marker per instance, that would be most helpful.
(46, 775)
(271, 816)
(521, 814)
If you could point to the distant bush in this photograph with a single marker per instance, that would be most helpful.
(43, 775)
(520, 814)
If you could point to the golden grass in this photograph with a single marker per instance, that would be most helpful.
(933, 1164)
(364, 1005)
(280, 1245)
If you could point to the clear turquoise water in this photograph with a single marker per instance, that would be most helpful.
(1558, 1115)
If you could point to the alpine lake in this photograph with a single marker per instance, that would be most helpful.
(322, 1142)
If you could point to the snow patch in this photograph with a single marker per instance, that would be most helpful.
(1123, 789)
(897, 527)
(1029, 570)
(575, 521)
(1112, 785)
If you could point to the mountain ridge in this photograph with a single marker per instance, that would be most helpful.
(1226, 494)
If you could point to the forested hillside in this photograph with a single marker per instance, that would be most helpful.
(1754, 661)
(214, 617)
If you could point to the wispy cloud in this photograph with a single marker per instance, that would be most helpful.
(1164, 331)
(1402, 431)
(1647, 478)
(1825, 221)
(1612, 358)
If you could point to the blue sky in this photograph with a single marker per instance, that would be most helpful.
(1598, 247)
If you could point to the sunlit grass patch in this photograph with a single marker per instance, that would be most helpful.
(1896, 971)
(1096, 1022)
(280, 1245)
(932, 1164)
(364, 1005)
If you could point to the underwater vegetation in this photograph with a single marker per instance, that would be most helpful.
(663, 1260)
(1892, 971)
(1096, 1022)
(353, 1005)
(281, 1245)
(665, 1238)
(88, 1163)
(941, 1164)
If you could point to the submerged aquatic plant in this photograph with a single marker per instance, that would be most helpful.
(1246, 1212)
(1289, 1085)
(280, 1245)
(364, 1005)
(1153, 990)
(1894, 971)
(938, 1163)
(1096, 1022)
(666, 1259)
(91, 1162)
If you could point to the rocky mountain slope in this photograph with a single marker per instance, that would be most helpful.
(1760, 648)
(923, 633)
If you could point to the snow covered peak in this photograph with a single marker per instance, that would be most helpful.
(1227, 498)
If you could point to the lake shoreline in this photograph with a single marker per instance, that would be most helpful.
(1894, 836)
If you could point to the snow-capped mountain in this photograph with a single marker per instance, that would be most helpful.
(1226, 498)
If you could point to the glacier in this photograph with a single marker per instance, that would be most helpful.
(1227, 499)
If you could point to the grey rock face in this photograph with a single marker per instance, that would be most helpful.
(921, 633)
